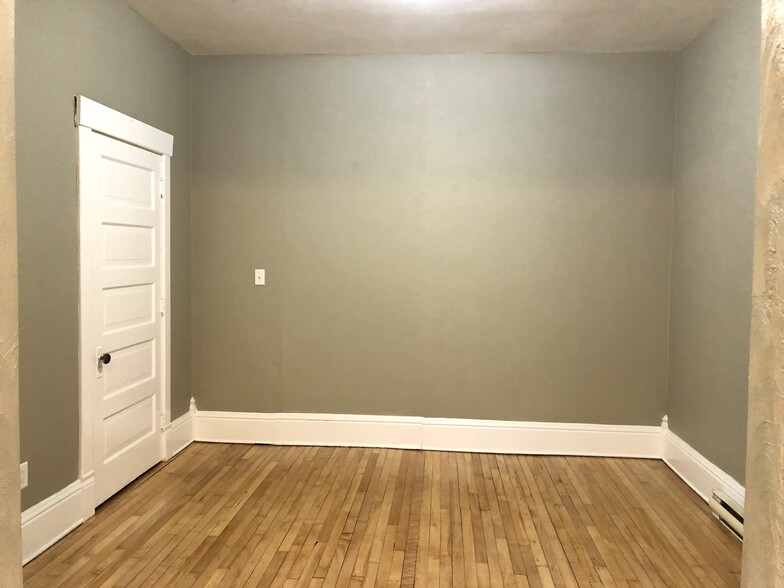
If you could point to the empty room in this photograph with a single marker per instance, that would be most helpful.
(392, 293)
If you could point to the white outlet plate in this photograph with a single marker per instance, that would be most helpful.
(23, 474)
(260, 277)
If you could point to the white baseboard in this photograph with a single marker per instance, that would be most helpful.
(542, 438)
(178, 434)
(336, 430)
(697, 471)
(48, 521)
(51, 519)
(234, 427)
(429, 433)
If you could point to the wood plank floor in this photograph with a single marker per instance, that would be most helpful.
(244, 515)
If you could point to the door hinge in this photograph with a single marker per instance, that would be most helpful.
(163, 306)
(163, 422)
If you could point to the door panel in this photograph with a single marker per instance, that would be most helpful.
(125, 246)
(128, 307)
(128, 184)
(131, 380)
(125, 305)
(129, 426)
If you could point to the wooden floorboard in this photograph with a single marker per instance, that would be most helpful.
(253, 515)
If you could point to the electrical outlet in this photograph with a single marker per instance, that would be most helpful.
(260, 277)
(23, 474)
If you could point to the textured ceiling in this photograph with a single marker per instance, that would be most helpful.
(248, 27)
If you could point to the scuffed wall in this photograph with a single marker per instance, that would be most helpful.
(763, 553)
(10, 531)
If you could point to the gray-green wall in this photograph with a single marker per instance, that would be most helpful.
(469, 236)
(715, 170)
(103, 50)
(455, 236)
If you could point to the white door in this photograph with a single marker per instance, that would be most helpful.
(122, 307)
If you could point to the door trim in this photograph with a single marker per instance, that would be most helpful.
(92, 117)
(100, 118)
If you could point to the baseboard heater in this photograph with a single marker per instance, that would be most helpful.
(729, 512)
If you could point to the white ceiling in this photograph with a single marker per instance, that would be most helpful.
(250, 27)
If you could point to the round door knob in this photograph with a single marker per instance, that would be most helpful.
(105, 358)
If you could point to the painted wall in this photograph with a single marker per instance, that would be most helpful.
(456, 236)
(10, 520)
(715, 168)
(103, 50)
(763, 546)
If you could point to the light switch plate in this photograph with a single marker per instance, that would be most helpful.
(260, 277)
(23, 474)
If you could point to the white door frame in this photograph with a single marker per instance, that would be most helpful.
(92, 117)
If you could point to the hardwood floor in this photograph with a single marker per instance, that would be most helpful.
(244, 515)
